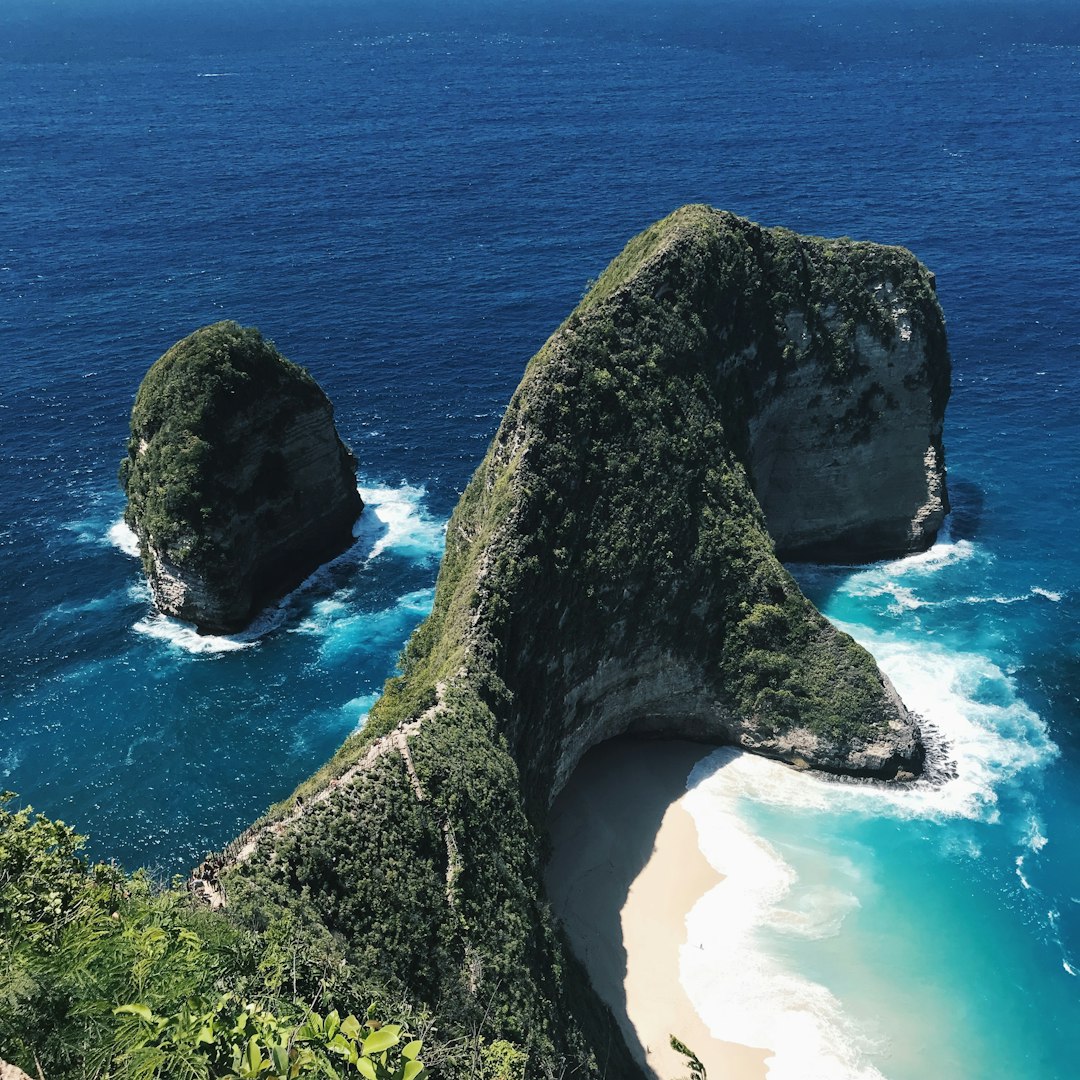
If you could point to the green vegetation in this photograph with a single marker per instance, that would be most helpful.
(697, 1070)
(109, 975)
(610, 528)
(184, 422)
(610, 522)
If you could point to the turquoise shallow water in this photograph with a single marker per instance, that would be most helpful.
(408, 199)
(877, 930)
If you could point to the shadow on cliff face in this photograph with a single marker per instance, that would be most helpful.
(603, 827)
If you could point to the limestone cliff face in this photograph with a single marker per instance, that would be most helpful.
(238, 485)
(847, 460)
(723, 388)
(610, 570)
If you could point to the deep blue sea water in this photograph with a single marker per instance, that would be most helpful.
(407, 199)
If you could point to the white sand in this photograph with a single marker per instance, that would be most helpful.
(624, 873)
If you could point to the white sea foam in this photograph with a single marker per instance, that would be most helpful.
(944, 552)
(898, 579)
(123, 537)
(732, 969)
(1047, 594)
(186, 638)
(988, 741)
(741, 990)
(903, 597)
(1020, 872)
(343, 629)
(394, 519)
(1034, 838)
(360, 707)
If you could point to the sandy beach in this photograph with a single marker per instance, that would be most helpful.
(624, 873)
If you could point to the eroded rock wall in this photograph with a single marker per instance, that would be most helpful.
(238, 484)
(853, 471)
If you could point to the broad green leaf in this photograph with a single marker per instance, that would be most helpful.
(253, 1058)
(412, 1070)
(350, 1027)
(410, 1050)
(333, 1022)
(366, 1069)
(339, 1045)
(280, 1055)
(141, 1011)
(383, 1039)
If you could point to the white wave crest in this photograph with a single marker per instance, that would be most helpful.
(903, 597)
(739, 982)
(990, 734)
(187, 639)
(360, 707)
(123, 537)
(743, 992)
(394, 519)
(343, 629)
(1046, 594)
(945, 551)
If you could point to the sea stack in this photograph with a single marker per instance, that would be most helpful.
(238, 485)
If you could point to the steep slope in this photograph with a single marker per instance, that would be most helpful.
(238, 485)
(609, 570)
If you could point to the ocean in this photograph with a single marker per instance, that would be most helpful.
(408, 198)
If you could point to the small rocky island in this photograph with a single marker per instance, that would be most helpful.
(238, 485)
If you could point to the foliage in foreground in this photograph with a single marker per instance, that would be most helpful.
(108, 976)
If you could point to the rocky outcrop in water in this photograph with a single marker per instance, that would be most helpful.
(845, 456)
(609, 570)
(238, 486)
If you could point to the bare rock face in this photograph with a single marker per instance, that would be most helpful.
(238, 485)
(852, 468)
(11, 1072)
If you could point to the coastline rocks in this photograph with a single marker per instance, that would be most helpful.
(725, 392)
(238, 486)
(609, 571)
(844, 431)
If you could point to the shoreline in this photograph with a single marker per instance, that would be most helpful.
(625, 871)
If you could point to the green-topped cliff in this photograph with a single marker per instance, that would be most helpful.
(608, 570)
(721, 391)
(238, 486)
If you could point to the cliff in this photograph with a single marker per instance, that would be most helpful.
(609, 570)
(238, 485)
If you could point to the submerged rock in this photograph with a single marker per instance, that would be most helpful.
(238, 486)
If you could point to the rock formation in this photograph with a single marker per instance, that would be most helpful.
(845, 404)
(238, 486)
(609, 570)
